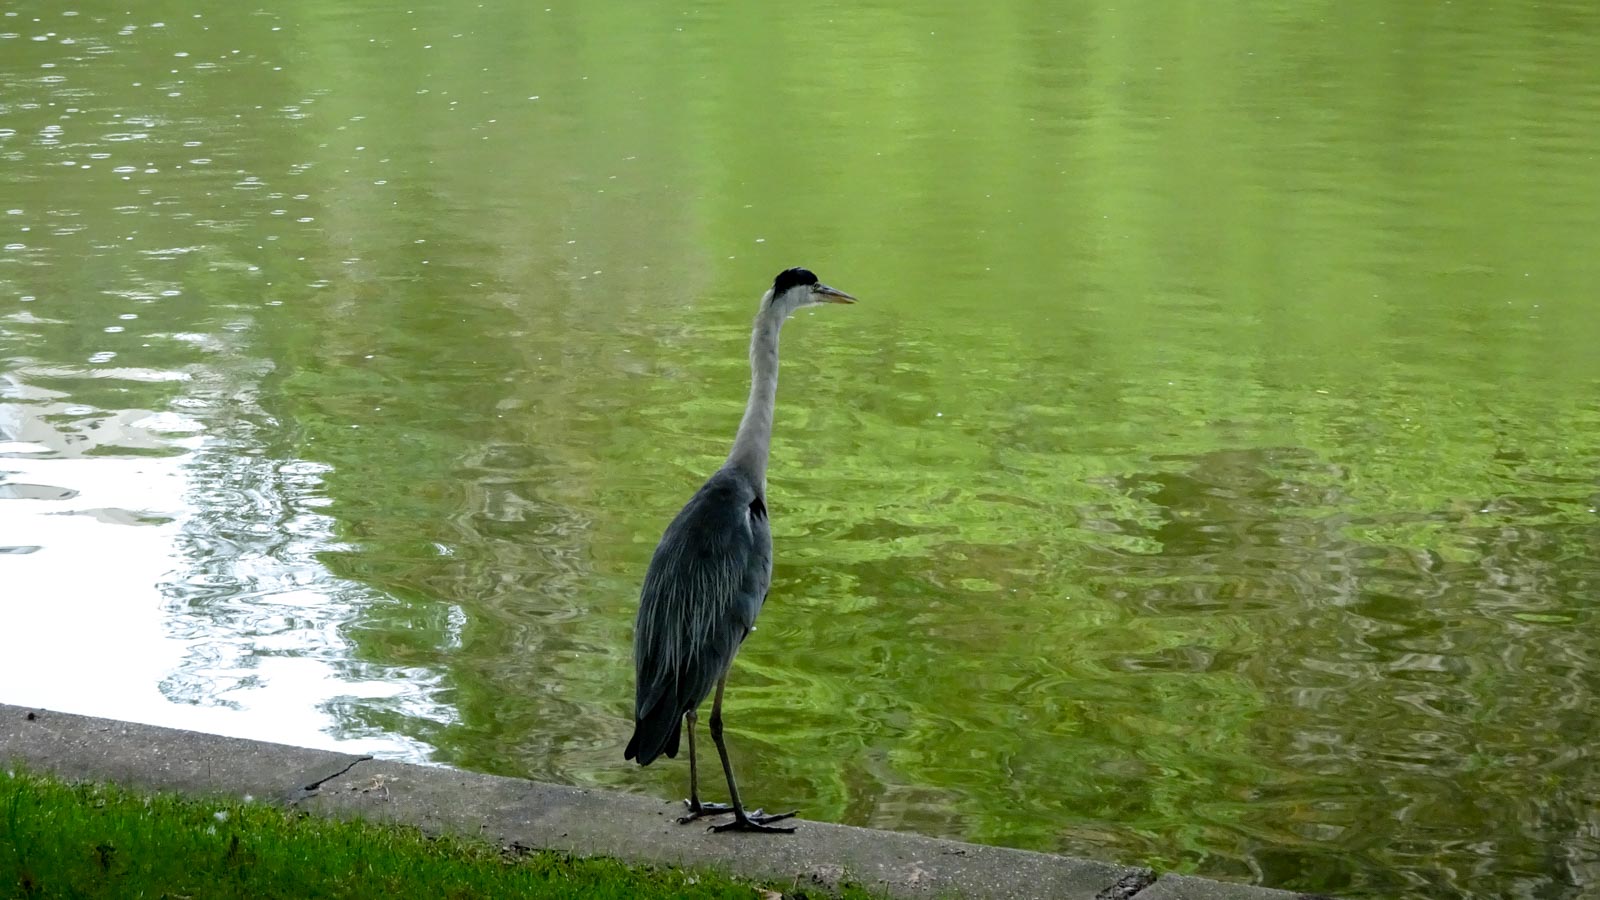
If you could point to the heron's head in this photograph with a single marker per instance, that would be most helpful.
(797, 288)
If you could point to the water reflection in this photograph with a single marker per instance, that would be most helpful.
(1377, 654)
(122, 510)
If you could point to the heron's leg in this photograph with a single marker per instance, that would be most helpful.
(742, 821)
(696, 808)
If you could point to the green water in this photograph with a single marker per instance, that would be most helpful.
(1207, 478)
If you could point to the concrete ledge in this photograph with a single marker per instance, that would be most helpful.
(528, 814)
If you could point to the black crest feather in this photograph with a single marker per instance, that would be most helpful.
(789, 278)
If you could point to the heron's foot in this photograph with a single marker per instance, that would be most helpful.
(757, 821)
(698, 809)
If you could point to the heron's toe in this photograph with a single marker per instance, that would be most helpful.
(757, 821)
(696, 810)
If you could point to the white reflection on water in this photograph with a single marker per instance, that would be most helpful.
(126, 597)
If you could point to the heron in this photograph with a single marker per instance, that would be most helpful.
(709, 576)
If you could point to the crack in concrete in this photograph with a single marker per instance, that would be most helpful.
(327, 778)
(300, 793)
(1128, 886)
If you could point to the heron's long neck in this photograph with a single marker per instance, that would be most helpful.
(750, 446)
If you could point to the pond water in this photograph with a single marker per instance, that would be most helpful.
(1208, 478)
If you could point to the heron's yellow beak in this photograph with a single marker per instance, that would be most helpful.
(832, 295)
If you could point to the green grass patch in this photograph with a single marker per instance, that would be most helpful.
(60, 839)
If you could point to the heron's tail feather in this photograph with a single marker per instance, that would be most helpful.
(654, 734)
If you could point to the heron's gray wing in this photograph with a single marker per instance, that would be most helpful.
(700, 598)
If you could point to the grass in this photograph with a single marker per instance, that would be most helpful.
(60, 839)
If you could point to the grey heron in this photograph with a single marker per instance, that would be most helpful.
(709, 575)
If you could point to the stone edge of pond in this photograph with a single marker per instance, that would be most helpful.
(586, 822)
